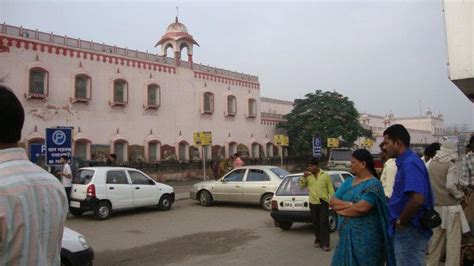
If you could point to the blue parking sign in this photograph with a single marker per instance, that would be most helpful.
(36, 150)
(58, 143)
(316, 146)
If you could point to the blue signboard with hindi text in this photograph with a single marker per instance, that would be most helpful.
(316, 147)
(58, 143)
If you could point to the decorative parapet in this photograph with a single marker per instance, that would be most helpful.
(67, 46)
(278, 101)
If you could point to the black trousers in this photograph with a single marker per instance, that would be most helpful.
(68, 194)
(320, 217)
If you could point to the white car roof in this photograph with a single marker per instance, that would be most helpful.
(258, 167)
(327, 171)
(106, 168)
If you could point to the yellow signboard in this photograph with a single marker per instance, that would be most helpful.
(281, 140)
(333, 142)
(202, 138)
(369, 143)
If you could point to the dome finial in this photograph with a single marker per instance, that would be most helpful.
(177, 14)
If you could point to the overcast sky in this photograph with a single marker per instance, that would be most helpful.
(384, 55)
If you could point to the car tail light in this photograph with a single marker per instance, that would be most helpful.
(91, 191)
(274, 205)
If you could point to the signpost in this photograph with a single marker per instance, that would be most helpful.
(36, 149)
(203, 138)
(316, 147)
(58, 143)
(280, 141)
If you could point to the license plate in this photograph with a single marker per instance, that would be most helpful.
(75, 204)
(293, 204)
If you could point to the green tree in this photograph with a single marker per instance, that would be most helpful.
(324, 114)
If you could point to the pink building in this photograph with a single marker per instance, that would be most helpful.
(138, 105)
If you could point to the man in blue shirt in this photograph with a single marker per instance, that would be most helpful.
(411, 197)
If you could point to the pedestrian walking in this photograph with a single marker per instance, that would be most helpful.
(66, 176)
(388, 173)
(320, 191)
(444, 181)
(411, 198)
(363, 217)
(33, 203)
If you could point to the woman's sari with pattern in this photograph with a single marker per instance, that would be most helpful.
(363, 240)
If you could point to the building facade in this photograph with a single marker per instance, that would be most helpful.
(423, 129)
(138, 105)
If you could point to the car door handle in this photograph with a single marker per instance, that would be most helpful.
(137, 188)
(111, 188)
(237, 186)
(264, 186)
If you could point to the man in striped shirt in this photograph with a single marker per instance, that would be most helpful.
(33, 204)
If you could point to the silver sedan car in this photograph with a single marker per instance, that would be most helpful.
(248, 184)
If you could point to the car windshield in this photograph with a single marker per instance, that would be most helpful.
(279, 172)
(291, 187)
(341, 155)
(336, 180)
(83, 176)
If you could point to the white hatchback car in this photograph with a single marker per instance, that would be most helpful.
(106, 189)
(75, 250)
(291, 204)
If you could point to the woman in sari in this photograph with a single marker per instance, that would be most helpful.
(363, 217)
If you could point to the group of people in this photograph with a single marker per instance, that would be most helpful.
(223, 166)
(394, 220)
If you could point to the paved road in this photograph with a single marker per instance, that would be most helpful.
(189, 234)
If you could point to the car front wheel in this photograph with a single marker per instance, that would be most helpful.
(205, 198)
(165, 203)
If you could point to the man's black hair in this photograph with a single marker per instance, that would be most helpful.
(313, 161)
(12, 116)
(398, 132)
(64, 157)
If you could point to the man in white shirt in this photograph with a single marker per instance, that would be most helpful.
(66, 176)
(388, 173)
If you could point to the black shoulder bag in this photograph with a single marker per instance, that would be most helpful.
(430, 219)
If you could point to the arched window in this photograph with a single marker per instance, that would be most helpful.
(252, 108)
(208, 103)
(82, 88)
(153, 99)
(120, 92)
(232, 148)
(183, 147)
(269, 150)
(153, 151)
(120, 149)
(38, 83)
(231, 105)
(255, 150)
(80, 149)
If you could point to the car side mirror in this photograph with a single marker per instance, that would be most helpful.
(151, 182)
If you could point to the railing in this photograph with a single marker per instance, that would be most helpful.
(177, 166)
(223, 72)
(272, 116)
(104, 48)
